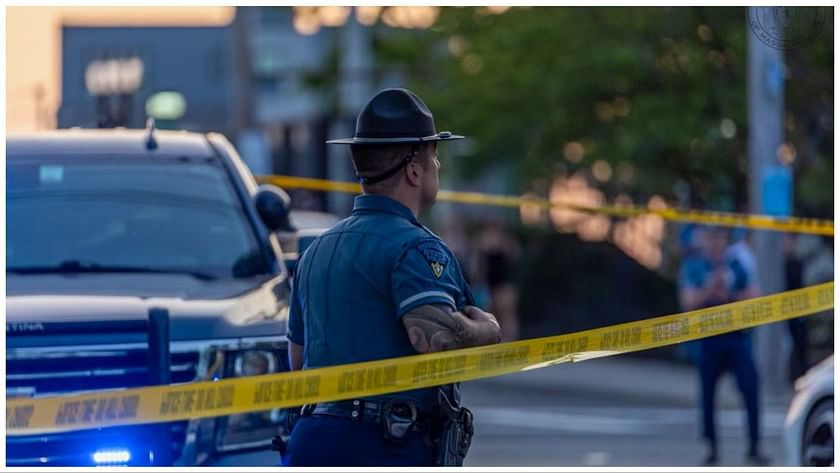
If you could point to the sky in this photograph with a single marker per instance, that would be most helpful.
(33, 50)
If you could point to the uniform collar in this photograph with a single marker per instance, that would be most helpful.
(382, 203)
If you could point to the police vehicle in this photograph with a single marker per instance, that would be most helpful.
(138, 257)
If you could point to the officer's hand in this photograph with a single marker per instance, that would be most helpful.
(484, 318)
(478, 315)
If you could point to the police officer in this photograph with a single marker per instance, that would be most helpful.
(381, 285)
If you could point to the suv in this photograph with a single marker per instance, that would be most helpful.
(106, 228)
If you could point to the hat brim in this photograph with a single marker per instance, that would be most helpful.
(384, 141)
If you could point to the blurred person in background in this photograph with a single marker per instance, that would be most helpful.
(817, 255)
(452, 231)
(798, 327)
(498, 253)
(708, 278)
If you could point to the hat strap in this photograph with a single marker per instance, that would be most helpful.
(385, 175)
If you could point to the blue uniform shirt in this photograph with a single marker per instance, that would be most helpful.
(697, 269)
(355, 282)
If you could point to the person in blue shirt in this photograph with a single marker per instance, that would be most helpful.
(713, 277)
(381, 285)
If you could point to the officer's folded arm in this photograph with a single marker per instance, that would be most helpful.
(437, 327)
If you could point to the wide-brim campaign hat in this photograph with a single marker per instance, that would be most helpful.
(395, 116)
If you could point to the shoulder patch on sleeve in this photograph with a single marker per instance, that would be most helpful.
(435, 254)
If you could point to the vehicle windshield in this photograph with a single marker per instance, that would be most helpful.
(127, 215)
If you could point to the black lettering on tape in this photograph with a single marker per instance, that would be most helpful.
(560, 348)
(756, 312)
(280, 389)
(225, 397)
(209, 402)
(128, 407)
(283, 390)
(345, 382)
(297, 390)
(111, 408)
(716, 320)
(313, 386)
(499, 359)
(583, 342)
(189, 400)
(669, 330)
(101, 403)
(419, 371)
(359, 379)
(88, 410)
(439, 368)
(825, 296)
(367, 379)
(390, 376)
(19, 417)
(795, 303)
(263, 392)
(376, 379)
(621, 339)
(287, 389)
(68, 413)
(170, 404)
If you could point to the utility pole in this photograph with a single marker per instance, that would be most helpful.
(242, 104)
(354, 90)
(770, 190)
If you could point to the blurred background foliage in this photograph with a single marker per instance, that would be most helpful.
(658, 93)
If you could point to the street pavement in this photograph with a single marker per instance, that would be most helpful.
(609, 412)
(618, 411)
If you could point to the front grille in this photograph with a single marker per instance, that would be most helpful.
(61, 372)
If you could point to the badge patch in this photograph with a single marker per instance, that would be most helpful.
(434, 254)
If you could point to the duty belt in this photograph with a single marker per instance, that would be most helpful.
(361, 410)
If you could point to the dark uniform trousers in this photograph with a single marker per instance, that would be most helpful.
(319, 440)
(730, 351)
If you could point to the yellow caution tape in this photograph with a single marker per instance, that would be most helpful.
(759, 222)
(239, 395)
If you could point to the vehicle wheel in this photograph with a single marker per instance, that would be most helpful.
(818, 440)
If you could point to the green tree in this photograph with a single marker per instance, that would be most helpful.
(658, 93)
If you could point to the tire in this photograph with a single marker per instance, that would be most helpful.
(818, 435)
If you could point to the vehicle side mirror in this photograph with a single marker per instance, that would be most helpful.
(273, 206)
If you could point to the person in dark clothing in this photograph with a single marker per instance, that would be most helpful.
(797, 327)
(707, 279)
(498, 253)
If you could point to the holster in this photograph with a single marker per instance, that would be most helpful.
(290, 418)
(455, 438)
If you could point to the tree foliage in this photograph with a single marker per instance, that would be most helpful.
(658, 93)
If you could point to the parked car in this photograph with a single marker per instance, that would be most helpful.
(306, 225)
(103, 226)
(809, 425)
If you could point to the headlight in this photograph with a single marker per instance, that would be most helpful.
(252, 429)
(254, 363)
